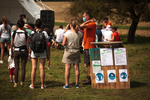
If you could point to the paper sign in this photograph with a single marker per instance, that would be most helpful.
(96, 66)
(111, 76)
(123, 75)
(99, 77)
(120, 56)
(106, 56)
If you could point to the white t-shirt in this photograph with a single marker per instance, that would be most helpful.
(73, 39)
(59, 35)
(103, 30)
(5, 33)
(107, 35)
(45, 33)
(20, 39)
(11, 60)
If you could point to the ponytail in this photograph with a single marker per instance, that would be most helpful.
(77, 28)
(74, 24)
(5, 22)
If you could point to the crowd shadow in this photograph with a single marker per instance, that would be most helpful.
(54, 84)
(135, 84)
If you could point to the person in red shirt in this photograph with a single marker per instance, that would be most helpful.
(107, 23)
(89, 36)
(115, 35)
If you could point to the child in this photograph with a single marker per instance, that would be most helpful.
(11, 67)
(49, 40)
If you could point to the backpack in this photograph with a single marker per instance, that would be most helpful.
(14, 34)
(26, 35)
(37, 42)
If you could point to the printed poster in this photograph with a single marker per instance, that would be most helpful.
(106, 56)
(96, 66)
(123, 75)
(99, 77)
(120, 56)
(111, 76)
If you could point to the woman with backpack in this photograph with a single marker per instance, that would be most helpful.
(71, 55)
(20, 43)
(38, 49)
(5, 32)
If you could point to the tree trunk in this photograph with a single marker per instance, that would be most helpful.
(132, 30)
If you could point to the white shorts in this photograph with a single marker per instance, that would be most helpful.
(38, 55)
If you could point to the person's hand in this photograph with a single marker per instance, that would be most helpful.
(12, 55)
(67, 27)
(106, 39)
(29, 56)
(48, 58)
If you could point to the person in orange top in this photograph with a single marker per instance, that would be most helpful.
(89, 36)
(115, 35)
(107, 23)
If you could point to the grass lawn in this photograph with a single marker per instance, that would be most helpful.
(139, 69)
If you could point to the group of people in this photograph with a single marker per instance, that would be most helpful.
(25, 43)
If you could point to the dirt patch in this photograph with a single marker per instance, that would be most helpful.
(145, 33)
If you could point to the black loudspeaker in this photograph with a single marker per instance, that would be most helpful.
(48, 19)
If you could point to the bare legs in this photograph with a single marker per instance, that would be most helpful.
(67, 73)
(2, 50)
(42, 73)
(34, 67)
(77, 73)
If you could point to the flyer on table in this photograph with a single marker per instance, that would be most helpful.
(120, 56)
(123, 75)
(111, 74)
(96, 66)
(106, 56)
(99, 77)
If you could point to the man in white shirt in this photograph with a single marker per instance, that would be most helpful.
(59, 34)
(107, 34)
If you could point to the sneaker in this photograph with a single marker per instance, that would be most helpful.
(14, 81)
(1, 61)
(77, 86)
(21, 83)
(15, 84)
(66, 87)
(48, 67)
(32, 87)
(42, 87)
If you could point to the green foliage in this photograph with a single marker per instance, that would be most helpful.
(120, 11)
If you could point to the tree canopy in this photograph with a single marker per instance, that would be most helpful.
(120, 11)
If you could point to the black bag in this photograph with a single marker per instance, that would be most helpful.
(14, 34)
(37, 42)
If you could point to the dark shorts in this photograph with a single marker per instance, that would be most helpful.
(3, 40)
(11, 71)
(86, 57)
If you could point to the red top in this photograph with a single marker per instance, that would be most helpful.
(116, 36)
